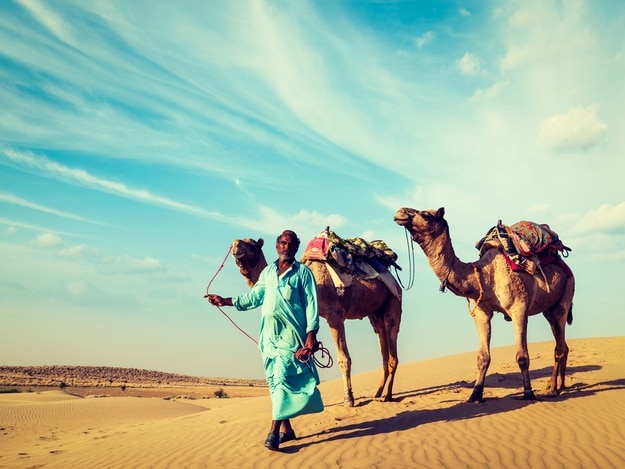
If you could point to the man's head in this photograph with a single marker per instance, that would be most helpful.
(287, 245)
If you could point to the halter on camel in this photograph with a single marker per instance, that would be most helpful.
(324, 351)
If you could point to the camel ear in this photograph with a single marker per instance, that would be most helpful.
(440, 213)
(260, 242)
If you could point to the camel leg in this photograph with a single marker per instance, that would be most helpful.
(558, 316)
(483, 326)
(344, 361)
(380, 331)
(393, 360)
(519, 319)
(392, 319)
(560, 353)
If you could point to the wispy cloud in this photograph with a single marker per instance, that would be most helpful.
(13, 199)
(48, 168)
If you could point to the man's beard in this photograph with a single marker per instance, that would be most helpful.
(286, 256)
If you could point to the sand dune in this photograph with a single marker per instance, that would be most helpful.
(429, 425)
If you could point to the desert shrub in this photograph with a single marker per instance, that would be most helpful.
(9, 391)
(220, 394)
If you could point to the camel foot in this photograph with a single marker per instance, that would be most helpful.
(550, 392)
(477, 395)
(348, 400)
(529, 395)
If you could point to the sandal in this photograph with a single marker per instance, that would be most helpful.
(284, 437)
(272, 442)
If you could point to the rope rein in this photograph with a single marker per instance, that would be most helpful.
(219, 307)
(411, 264)
(324, 351)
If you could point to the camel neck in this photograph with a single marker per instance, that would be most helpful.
(450, 270)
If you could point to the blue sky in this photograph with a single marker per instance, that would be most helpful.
(138, 139)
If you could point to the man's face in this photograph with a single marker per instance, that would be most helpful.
(286, 248)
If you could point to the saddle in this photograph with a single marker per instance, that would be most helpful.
(347, 253)
(347, 258)
(526, 244)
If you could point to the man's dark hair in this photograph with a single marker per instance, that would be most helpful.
(290, 233)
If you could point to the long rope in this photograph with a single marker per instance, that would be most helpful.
(411, 263)
(324, 351)
(219, 307)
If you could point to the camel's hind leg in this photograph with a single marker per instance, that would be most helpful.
(558, 316)
(387, 330)
(344, 360)
(560, 355)
(380, 331)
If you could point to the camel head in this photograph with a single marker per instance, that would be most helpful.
(248, 256)
(423, 225)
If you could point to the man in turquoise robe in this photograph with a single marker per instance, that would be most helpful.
(287, 293)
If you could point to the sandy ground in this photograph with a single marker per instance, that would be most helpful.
(428, 425)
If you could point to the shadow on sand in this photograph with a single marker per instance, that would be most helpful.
(461, 410)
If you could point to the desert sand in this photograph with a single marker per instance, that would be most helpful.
(428, 425)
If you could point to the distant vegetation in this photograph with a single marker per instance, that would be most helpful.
(9, 390)
(103, 376)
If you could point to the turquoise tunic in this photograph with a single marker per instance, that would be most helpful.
(289, 311)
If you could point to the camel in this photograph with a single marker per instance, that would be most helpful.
(494, 286)
(363, 298)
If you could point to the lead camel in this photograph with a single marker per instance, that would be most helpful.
(363, 298)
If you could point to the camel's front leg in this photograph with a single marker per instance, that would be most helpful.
(344, 360)
(482, 323)
(519, 319)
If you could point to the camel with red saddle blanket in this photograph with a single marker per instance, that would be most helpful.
(357, 299)
(493, 285)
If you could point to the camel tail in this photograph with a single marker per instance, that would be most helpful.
(569, 318)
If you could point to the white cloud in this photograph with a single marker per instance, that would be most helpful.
(47, 240)
(578, 129)
(424, 39)
(469, 64)
(73, 251)
(52, 169)
(10, 198)
(133, 265)
(304, 223)
(494, 90)
(47, 17)
(605, 218)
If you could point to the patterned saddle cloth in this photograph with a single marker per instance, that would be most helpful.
(526, 244)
